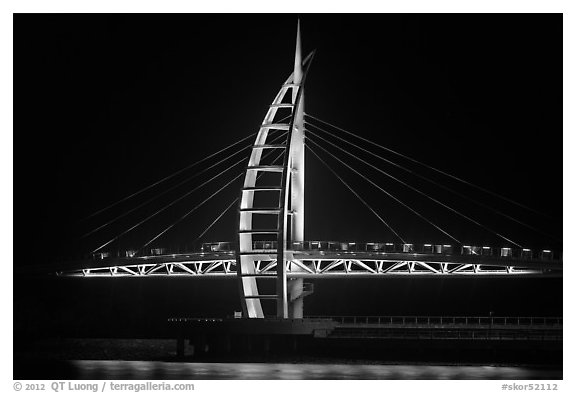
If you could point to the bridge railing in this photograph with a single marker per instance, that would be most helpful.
(456, 321)
(351, 247)
(442, 249)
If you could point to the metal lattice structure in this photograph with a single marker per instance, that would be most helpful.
(315, 267)
(320, 260)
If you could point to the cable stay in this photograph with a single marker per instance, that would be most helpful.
(175, 174)
(167, 177)
(176, 186)
(435, 169)
(387, 193)
(166, 207)
(235, 200)
(420, 192)
(428, 180)
(202, 203)
(189, 212)
(166, 191)
(356, 194)
(216, 220)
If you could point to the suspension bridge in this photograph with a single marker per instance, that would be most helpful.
(270, 241)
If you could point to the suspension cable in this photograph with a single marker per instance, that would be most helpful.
(420, 192)
(188, 213)
(167, 178)
(429, 180)
(387, 193)
(356, 194)
(167, 206)
(164, 192)
(435, 169)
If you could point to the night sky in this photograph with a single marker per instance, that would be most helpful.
(105, 105)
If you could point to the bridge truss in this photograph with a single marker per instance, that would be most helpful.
(319, 264)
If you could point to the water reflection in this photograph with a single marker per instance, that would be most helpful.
(114, 369)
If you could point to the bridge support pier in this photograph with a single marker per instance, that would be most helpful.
(296, 298)
(201, 345)
(294, 344)
(266, 345)
(245, 343)
(180, 347)
(227, 344)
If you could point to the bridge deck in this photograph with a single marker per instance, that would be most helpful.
(322, 263)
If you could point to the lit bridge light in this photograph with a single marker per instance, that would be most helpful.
(324, 259)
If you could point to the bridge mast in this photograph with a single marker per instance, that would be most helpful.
(255, 237)
(295, 286)
(297, 150)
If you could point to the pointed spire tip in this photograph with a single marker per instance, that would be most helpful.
(298, 56)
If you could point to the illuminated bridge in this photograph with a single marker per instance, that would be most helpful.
(270, 243)
(323, 259)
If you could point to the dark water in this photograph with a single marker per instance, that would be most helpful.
(113, 369)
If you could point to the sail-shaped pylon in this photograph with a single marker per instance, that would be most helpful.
(271, 210)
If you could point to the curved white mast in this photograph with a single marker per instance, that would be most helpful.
(288, 191)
